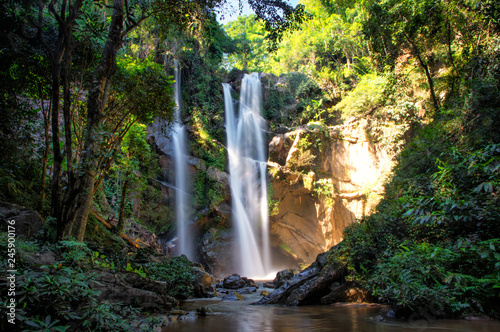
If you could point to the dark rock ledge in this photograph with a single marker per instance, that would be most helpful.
(320, 283)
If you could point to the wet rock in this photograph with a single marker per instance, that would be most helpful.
(224, 210)
(282, 277)
(268, 285)
(230, 297)
(197, 163)
(28, 222)
(249, 282)
(203, 282)
(347, 292)
(391, 314)
(264, 293)
(175, 316)
(247, 290)
(45, 258)
(215, 249)
(129, 288)
(307, 287)
(234, 281)
(217, 175)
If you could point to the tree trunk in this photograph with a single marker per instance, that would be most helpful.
(121, 219)
(68, 150)
(46, 125)
(427, 73)
(78, 200)
(431, 82)
(56, 170)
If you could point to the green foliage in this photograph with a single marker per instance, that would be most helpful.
(23, 248)
(273, 107)
(73, 252)
(432, 243)
(50, 229)
(176, 272)
(464, 194)
(248, 35)
(25, 81)
(424, 276)
(366, 96)
(57, 294)
(216, 193)
(324, 188)
(305, 156)
(100, 238)
(272, 204)
(199, 186)
(60, 297)
(143, 88)
(46, 325)
(139, 271)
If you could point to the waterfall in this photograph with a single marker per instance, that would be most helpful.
(184, 241)
(247, 171)
(171, 139)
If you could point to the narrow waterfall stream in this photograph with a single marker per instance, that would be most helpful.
(247, 170)
(171, 139)
(184, 244)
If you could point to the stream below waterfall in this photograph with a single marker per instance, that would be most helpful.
(241, 316)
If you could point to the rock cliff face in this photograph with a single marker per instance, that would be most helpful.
(323, 179)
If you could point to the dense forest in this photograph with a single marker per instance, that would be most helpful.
(84, 81)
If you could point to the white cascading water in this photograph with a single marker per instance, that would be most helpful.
(247, 170)
(171, 139)
(184, 243)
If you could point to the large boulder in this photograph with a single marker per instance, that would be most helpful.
(233, 281)
(203, 282)
(320, 283)
(28, 222)
(307, 287)
(129, 288)
(216, 251)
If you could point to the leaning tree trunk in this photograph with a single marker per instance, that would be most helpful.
(78, 200)
(427, 73)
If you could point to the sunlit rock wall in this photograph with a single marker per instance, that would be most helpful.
(323, 179)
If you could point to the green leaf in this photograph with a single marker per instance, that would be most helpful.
(31, 323)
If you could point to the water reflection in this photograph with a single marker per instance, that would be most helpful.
(242, 317)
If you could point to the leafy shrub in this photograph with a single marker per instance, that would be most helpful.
(423, 277)
(463, 197)
(59, 298)
(324, 188)
(176, 272)
(367, 95)
(73, 252)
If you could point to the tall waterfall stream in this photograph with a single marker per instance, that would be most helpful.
(248, 172)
